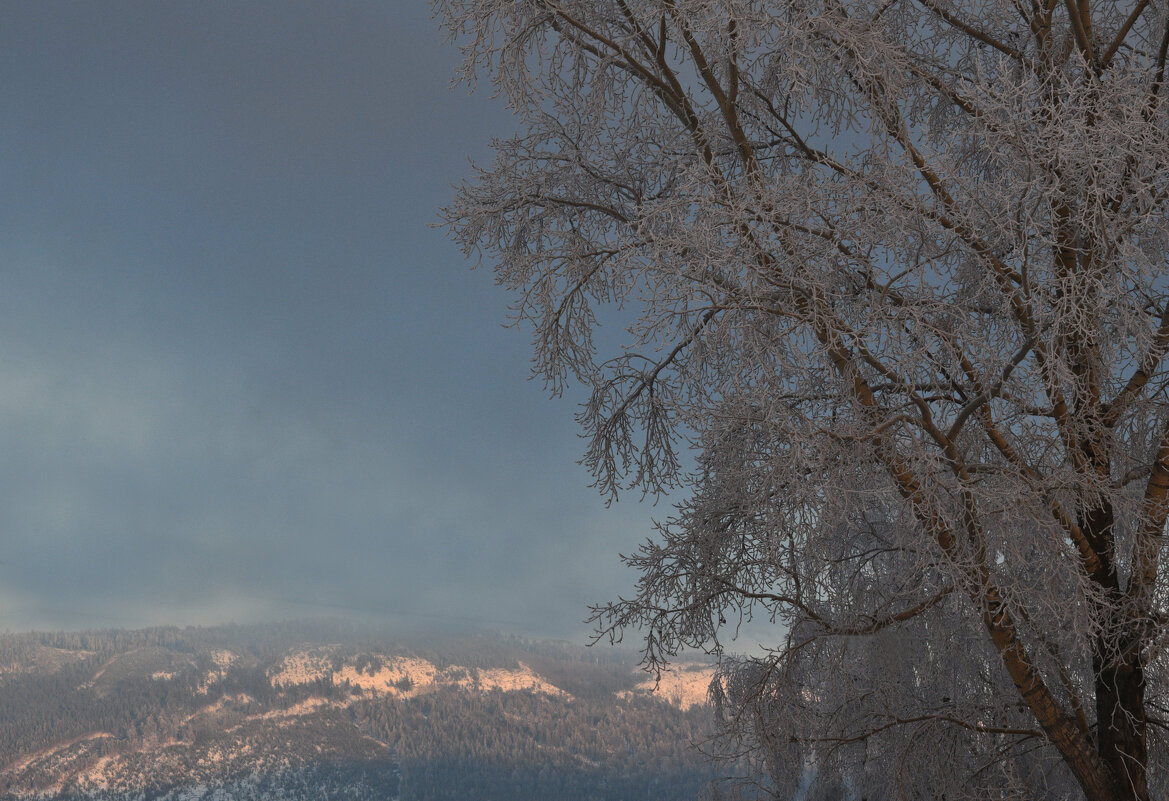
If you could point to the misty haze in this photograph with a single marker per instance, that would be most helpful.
(365, 362)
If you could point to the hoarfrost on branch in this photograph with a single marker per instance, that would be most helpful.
(897, 274)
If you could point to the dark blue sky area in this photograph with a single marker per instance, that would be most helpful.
(240, 376)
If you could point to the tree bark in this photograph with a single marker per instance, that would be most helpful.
(1121, 723)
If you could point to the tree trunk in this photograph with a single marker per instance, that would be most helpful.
(1116, 664)
(1120, 718)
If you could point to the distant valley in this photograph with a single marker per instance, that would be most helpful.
(328, 711)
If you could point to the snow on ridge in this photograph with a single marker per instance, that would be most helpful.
(684, 685)
(56, 752)
(305, 707)
(522, 678)
(303, 667)
(400, 676)
(406, 677)
(222, 659)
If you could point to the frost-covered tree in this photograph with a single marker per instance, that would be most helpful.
(896, 273)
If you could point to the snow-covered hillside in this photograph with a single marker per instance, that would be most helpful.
(202, 714)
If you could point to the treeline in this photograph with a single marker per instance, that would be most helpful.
(265, 641)
(270, 641)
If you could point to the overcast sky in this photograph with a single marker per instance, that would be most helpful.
(240, 377)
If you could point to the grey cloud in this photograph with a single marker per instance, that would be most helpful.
(240, 376)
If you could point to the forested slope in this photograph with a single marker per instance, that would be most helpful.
(283, 711)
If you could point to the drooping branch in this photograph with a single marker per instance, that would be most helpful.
(922, 237)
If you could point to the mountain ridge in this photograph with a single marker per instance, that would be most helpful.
(280, 711)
